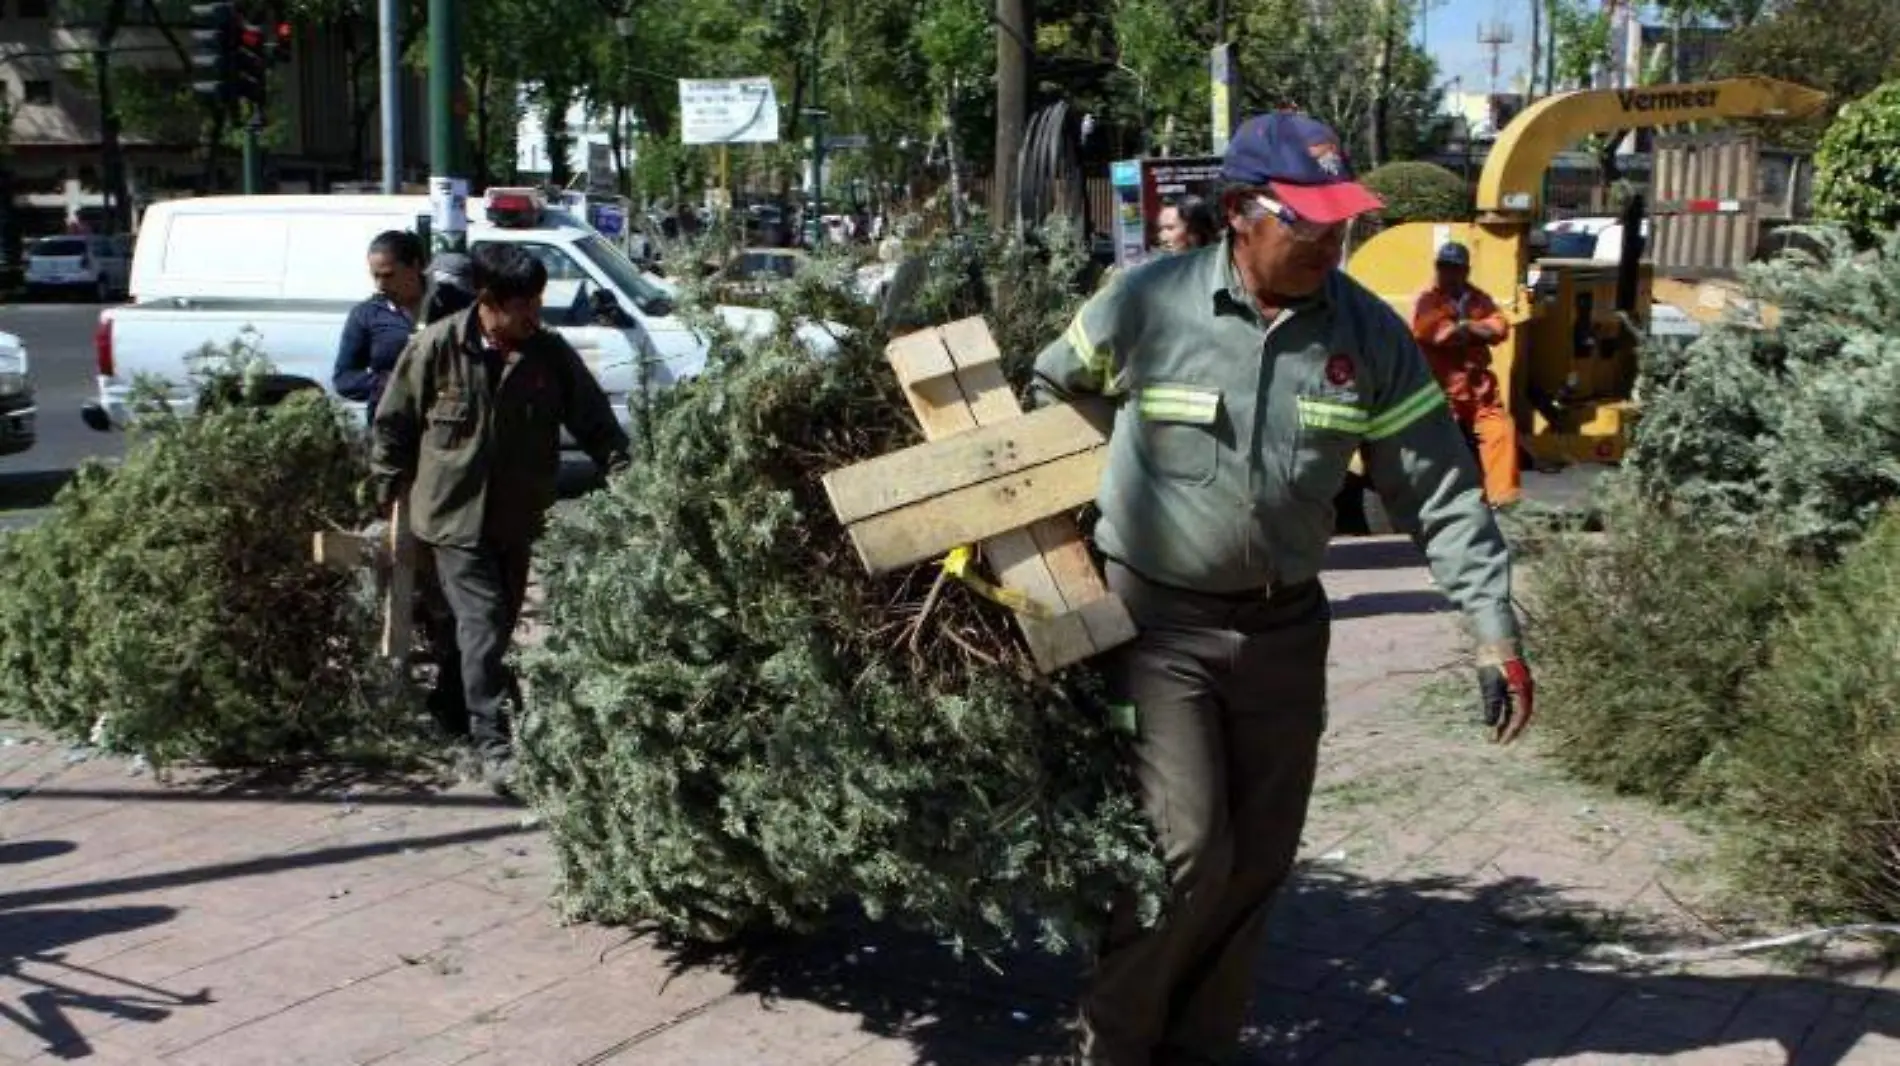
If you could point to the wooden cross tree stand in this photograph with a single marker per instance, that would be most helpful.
(394, 560)
(992, 475)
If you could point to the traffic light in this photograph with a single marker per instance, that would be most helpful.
(281, 33)
(253, 64)
(214, 48)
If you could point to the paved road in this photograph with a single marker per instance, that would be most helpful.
(58, 339)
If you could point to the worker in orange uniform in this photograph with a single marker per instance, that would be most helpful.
(1456, 324)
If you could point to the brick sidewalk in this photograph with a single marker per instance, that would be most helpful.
(1444, 889)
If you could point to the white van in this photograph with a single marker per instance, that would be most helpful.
(286, 270)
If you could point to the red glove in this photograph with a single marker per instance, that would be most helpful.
(1505, 693)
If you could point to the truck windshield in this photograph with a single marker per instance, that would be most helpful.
(621, 271)
(60, 246)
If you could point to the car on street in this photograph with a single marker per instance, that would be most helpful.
(280, 274)
(750, 274)
(16, 397)
(90, 266)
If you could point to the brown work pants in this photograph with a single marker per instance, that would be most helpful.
(1230, 700)
(1495, 436)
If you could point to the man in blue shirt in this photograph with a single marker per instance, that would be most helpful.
(380, 327)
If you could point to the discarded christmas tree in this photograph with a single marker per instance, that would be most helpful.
(1785, 432)
(169, 607)
(732, 726)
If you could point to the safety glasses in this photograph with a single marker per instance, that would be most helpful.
(1260, 205)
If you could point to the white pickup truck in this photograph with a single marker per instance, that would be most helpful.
(286, 270)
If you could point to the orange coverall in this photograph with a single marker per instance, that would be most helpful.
(1462, 366)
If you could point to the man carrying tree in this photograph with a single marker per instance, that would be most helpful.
(468, 432)
(1456, 324)
(1239, 379)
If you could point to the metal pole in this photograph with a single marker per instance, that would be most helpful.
(253, 153)
(817, 113)
(389, 19)
(1013, 58)
(446, 191)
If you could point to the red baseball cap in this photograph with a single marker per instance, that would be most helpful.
(1299, 158)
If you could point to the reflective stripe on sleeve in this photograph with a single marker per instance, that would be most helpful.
(1323, 414)
(1175, 403)
(1400, 416)
(1095, 360)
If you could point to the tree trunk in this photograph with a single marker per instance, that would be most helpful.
(1537, 44)
(1013, 56)
(1675, 47)
(353, 61)
(617, 144)
(950, 149)
(214, 139)
(556, 134)
(1550, 51)
(1382, 84)
(484, 85)
(117, 194)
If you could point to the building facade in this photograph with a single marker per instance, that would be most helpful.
(324, 118)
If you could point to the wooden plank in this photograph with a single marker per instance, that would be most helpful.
(1045, 558)
(980, 371)
(1058, 642)
(939, 407)
(980, 512)
(1057, 538)
(919, 357)
(1108, 621)
(1020, 561)
(915, 474)
(1060, 551)
(400, 598)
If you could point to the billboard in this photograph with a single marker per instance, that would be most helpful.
(728, 111)
(1142, 187)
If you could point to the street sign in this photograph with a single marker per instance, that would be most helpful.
(600, 168)
(847, 140)
(728, 111)
(1224, 79)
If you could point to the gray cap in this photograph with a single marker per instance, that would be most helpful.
(1453, 254)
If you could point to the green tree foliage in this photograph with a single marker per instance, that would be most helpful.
(1582, 33)
(1730, 640)
(1643, 641)
(170, 606)
(1845, 48)
(1163, 45)
(1419, 192)
(1788, 432)
(732, 726)
(1814, 778)
(1324, 59)
(1857, 170)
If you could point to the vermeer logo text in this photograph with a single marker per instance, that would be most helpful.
(1666, 99)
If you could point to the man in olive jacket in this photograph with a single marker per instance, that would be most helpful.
(468, 432)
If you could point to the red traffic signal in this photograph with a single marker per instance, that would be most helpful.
(252, 37)
(280, 50)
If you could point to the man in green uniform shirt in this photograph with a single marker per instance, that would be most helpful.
(1240, 379)
(468, 431)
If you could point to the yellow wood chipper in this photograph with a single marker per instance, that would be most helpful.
(1569, 366)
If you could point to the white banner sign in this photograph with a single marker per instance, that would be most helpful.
(728, 111)
(600, 168)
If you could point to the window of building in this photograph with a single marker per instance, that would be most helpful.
(36, 91)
